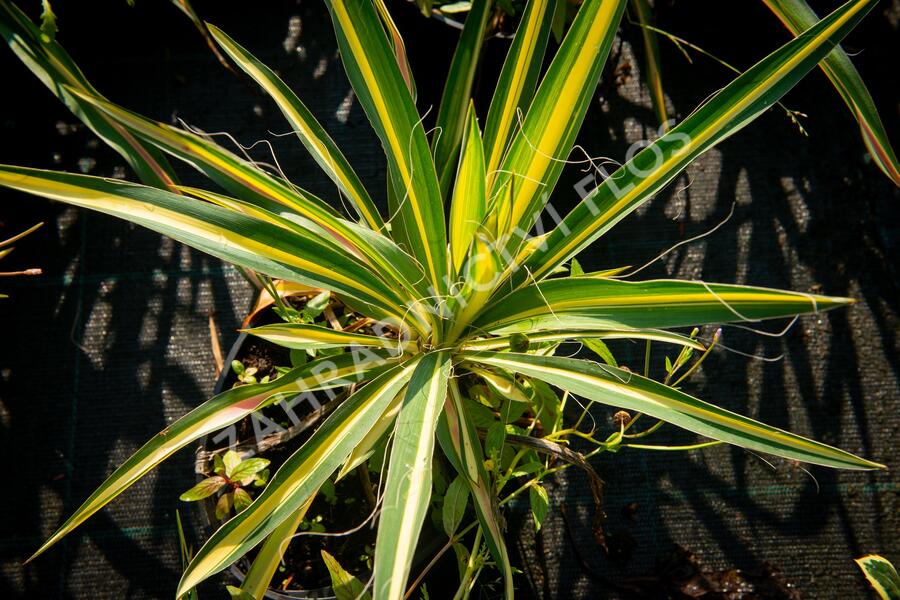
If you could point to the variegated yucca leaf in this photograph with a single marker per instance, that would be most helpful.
(300, 476)
(587, 303)
(798, 17)
(311, 133)
(724, 114)
(53, 66)
(503, 342)
(221, 411)
(627, 390)
(376, 78)
(446, 303)
(257, 245)
(407, 491)
(451, 119)
(310, 337)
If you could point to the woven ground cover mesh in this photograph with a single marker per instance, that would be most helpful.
(113, 342)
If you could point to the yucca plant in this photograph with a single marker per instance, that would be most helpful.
(466, 297)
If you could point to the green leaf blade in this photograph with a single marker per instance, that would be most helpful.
(221, 411)
(540, 504)
(629, 391)
(204, 489)
(343, 583)
(306, 126)
(455, 501)
(451, 119)
(300, 476)
(797, 16)
(376, 78)
(578, 302)
(739, 103)
(407, 490)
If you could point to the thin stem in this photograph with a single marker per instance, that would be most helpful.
(633, 421)
(701, 359)
(555, 437)
(512, 467)
(581, 418)
(18, 273)
(18, 237)
(562, 412)
(455, 538)
(647, 431)
(647, 360)
(464, 584)
(363, 472)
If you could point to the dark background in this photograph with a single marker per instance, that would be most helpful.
(112, 342)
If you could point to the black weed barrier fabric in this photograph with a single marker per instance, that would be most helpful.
(113, 341)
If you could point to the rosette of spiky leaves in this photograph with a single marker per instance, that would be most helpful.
(464, 293)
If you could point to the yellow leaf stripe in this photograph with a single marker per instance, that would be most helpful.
(744, 99)
(418, 189)
(519, 70)
(451, 119)
(299, 476)
(307, 128)
(302, 337)
(407, 491)
(221, 411)
(624, 389)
